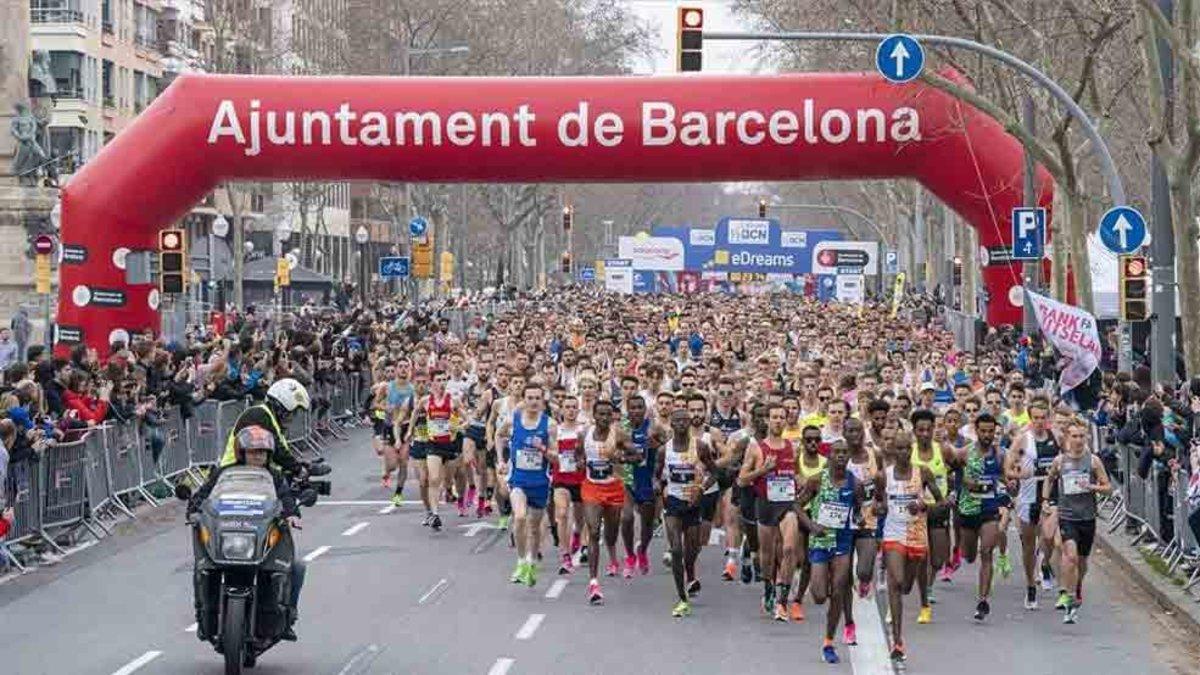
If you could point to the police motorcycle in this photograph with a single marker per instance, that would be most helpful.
(245, 564)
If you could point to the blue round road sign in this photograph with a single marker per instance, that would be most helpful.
(1123, 230)
(417, 226)
(900, 58)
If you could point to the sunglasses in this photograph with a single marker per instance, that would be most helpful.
(823, 399)
(810, 439)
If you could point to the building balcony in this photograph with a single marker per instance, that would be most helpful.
(55, 15)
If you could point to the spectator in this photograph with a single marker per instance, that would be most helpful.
(88, 403)
(21, 328)
(8, 349)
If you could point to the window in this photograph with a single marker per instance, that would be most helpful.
(66, 142)
(56, 11)
(106, 16)
(67, 68)
(107, 86)
(145, 22)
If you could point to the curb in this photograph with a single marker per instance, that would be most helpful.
(1170, 597)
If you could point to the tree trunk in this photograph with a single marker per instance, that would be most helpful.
(1187, 253)
(239, 247)
(1058, 255)
(1081, 260)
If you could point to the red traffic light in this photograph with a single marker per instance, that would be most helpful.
(171, 240)
(1135, 266)
(691, 17)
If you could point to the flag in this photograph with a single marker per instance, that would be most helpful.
(1073, 333)
(897, 293)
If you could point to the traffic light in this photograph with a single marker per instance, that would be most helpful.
(1135, 288)
(762, 208)
(566, 263)
(691, 39)
(958, 271)
(568, 217)
(422, 262)
(172, 261)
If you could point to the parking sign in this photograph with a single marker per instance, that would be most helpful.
(1028, 234)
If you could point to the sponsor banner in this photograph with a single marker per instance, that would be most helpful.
(996, 255)
(753, 232)
(68, 334)
(652, 253)
(851, 288)
(618, 275)
(74, 254)
(1073, 333)
(793, 239)
(702, 237)
(758, 257)
(107, 297)
(828, 256)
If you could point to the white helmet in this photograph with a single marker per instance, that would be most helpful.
(289, 394)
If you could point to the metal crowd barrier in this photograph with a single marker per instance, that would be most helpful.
(25, 498)
(64, 489)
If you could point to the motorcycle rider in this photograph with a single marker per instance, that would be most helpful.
(284, 397)
(255, 446)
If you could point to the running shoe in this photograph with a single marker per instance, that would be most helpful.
(530, 578)
(898, 656)
(693, 588)
(643, 563)
(502, 523)
(850, 634)
(1047, 578)
(1031, 598)
(435, 523)
(471, 493)
(630, 563)
(730, 570)
(583, 555)
(925, 615)
(684, 608)
(797, 611)
(747, 571)
(781, 613)
(930, 595)
(574, 543)
(829, 654)
(955, 560)
(518, 575)
(1072, 613)
(397, 500)
(565, 566)
(610, 569)
(982, 610)
(757, 572)
(1004, 564)
(864, 589)
(462, 509)
(946, 575)
(768, 600)
(480, 508)
(1064, 600)
(595, 597)
(428, 519)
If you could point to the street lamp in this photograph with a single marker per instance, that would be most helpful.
(362, 236)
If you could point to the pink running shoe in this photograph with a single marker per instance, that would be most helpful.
(956, 560)
(850, 635)
(470, 494)
(643, 563)
(630, 563)
(610, 569)
(480, 509)
(946, 575)
(595, 597)
(565, 566)
(575, 543)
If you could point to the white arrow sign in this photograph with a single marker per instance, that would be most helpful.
(899, 54)
(473, 529)
(1123, 227)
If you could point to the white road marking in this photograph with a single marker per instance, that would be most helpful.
(387, 509)
(556, 589)
(473, 529)
(192, 628)
(361, 502)
(355, 529)
(871, 656)
(530, 627)
(442, 583)
(501, 666)
(316, 554)
(351, 666)
(140, 661)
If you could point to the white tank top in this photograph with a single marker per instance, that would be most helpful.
(599, 470)
(899, 495)
(1027, 491)
(678, 470)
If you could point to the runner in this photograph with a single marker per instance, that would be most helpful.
(646, 437)
(442, 413)
(566, 478)
(865, 465)
(686, 479)
(770, 467)
(529, 444)
(830, 499)
(605, 447)
(1080, 475)
(926, 453)
(1028, 461)
(476, 449)
(502, 409)
(983, 494)
(905, 533)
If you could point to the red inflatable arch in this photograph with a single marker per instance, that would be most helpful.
(205, 129)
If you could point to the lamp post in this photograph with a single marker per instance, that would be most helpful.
(362, 236)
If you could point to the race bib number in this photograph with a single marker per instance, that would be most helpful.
(1075, 482)
(567, 463)
(599, 469)
(439, 428)
(833, 515)
(984, 488)
(681, 474)
(529, 459)
(781, 489)
(898, 504)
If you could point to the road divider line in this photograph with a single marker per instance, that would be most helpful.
(355, 529)
(356, 663)
(192, 628)
(316, 554)
(387, 509)
(871, 656)
(556, 589)
(530, 627)
(437, 588)
(140, 661)
(501, 666)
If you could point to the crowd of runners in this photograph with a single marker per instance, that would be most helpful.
(829, 447)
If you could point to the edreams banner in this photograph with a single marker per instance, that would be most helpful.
(747, 245)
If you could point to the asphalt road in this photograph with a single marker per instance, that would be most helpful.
(385, 595)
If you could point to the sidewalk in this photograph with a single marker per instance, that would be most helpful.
(1169, 595)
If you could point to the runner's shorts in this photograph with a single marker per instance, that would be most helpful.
(604, 494)
(476, 433)
(843, 544)
(976, 521)
(420, 450)
(447, 451)
(536, 496)
(1082, 532)
(640, 493)
(909, 552)
(574, 490)
(770, 514)
(708, 505)
(688, 514)
(746, 501)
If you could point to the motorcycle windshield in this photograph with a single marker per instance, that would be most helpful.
(243, 491)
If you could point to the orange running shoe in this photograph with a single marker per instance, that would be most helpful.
(797, 611)
(730, 571)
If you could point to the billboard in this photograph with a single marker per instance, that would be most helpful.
(829, 256)
(663, 254)
(618, 275)
(748, 246)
